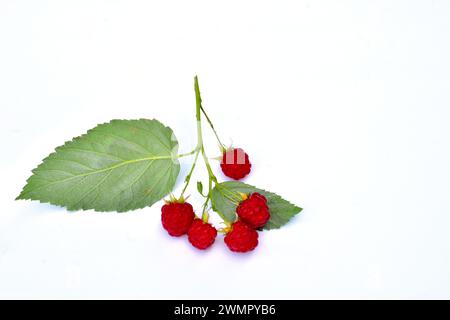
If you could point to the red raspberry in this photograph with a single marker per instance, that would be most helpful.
(201, 234)
(177, 218)
(235, 163)
(254, 211)
(241, 238)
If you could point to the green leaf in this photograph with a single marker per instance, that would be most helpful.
(226, 196)
(117, 166)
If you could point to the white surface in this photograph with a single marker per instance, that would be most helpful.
(344, 107)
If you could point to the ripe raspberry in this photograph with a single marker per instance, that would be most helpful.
(177, 217)
(254, 211)
(201, 234)
(235, 163)
(241, 238)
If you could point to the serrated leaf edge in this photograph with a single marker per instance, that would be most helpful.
(68, 142)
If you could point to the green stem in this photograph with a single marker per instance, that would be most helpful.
(200, 145)
(208, 198)
(211, 177)
(208, 166)
(198, 100)
(187, 154)
(188, 177)
(222, 146)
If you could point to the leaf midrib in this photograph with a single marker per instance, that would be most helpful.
(118, 165)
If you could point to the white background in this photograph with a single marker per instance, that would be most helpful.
(343, 106)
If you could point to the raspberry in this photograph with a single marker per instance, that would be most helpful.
(177, 217)
(254, 211)
(241, 238)
(235, 163)
(201, 234)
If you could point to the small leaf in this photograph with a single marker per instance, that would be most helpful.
(117, 166)
(226, 196)
(200, 187)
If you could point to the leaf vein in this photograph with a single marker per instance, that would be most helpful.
(103, 170)
(152, 133)
(93, 151)
(93, 188)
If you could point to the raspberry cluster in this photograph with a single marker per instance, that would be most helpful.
(252, 210)
(178, 218)
(253, 213)
(240, 228)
